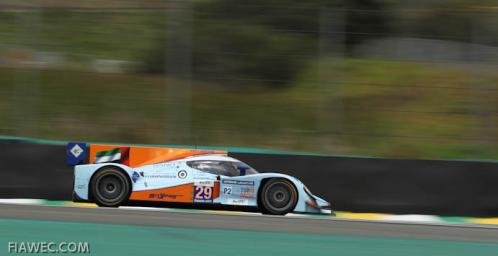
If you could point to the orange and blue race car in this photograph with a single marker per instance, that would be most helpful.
(132, 175)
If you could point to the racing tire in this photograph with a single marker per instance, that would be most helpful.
(278, 197)
(110, 187)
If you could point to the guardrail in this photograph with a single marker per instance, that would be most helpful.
(37, 169)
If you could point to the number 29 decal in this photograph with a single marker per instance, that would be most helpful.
(203, 194)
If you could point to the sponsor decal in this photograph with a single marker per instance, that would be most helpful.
(135, 177)
(163, 165)
(182, 174)
(239, 182)
(81, 186)
(160, 176)
(238, 201)
(162, 195)
(247, 192)
(203, 194)
(206, 183)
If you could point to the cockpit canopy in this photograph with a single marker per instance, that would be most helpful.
(225, 168)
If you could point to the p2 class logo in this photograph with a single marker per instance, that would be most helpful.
(227, 190)
(182, 174)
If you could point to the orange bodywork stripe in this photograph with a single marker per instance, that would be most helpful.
(139, 156)
(182, 194)
(179, 194)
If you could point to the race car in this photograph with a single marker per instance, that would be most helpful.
(116, 175)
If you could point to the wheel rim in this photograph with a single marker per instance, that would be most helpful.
(110, 188)
(280, 196)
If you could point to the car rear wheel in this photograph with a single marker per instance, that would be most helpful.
(110, 187)
(278, 197)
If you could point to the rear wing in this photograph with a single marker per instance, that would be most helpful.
(133, 156)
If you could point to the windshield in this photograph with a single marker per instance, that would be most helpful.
(244, 169)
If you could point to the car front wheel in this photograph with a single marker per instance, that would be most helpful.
(278, 197)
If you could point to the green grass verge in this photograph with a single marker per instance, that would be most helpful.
(354, 107)
(357, 107)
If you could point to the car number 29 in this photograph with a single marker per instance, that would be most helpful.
(205, 193)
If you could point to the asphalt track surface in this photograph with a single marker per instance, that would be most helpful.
(213, 220)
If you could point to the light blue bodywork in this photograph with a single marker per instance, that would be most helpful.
(238, 190)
